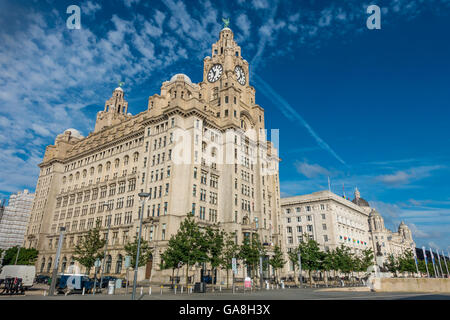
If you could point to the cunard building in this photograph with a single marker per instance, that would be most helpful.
(199, 148)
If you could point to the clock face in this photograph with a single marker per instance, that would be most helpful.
(240, 75)
(215, 73)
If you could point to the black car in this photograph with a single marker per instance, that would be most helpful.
(42, 279)
(105, 282)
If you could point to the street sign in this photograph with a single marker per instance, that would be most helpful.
(180, 264)
(127, 262)
(97, 263)
(234, 265)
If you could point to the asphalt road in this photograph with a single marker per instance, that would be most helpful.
(280, 294)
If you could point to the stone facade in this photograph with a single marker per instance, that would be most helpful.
(14, 220)
(333, 221)
(198, 148)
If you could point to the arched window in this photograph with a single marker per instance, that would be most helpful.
(119, 264)
(84, 173)
(125, 160)
(64, 180)
(77, 175)
(91, 171)
(108, 166)
(63, 264)
(49, 265)
(136, 156)
(99, 168)
(71, 178)
(108, 264)
(116, 163)
(42, 265)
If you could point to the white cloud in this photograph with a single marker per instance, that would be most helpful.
(89, 8)
(260, 4)
(405, 177)
(129, 3)
(311, 170)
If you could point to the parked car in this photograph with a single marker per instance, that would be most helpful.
(105, 282)
(42, 279)
(74, 283)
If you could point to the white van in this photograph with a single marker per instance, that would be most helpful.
(26, 273)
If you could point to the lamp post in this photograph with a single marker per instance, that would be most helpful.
(143, 196)
(17, 256)
(55, 268)
(300, 268)
(106, 206)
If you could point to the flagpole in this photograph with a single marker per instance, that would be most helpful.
(434, 266)
(426, 260)
(439, 260)
(329, 184)
(445, 261)
(415, 260)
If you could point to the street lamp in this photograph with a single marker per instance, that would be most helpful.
(143, 196)
(300, 267)
(106, 206)
(55, 268)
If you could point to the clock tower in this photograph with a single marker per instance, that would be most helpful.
(226, 84)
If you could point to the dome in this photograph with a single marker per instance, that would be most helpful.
(402, 226)
(74, 133)
(361, 202)
(118, 89)
(374, 213)
(181, 76)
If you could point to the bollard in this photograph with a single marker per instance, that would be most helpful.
(213, 289)
(84, 289)
(45, 293)
(142, 290)
(181, 290)
(161, 289)
(272, 286)
(150, 290)
(175, 289)
(220, 288)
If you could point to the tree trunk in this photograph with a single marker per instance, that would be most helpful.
(295, 278)
(326, 278)
(187, 275)
(310, 278)
(228, 277)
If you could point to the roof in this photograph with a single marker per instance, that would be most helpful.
(183, 76)
(361, 202)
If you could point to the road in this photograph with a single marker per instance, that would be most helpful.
(280, 294)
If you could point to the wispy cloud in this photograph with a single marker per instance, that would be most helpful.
(406, 177)
(311, 170)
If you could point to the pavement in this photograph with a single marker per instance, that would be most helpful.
(359, 293)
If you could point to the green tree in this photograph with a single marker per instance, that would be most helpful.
(276, 261)
(90, 249)
(391, 264)
(26, 256)
(327, 264)
(230, 251)
(310, 255)
(188, 245)
(215, 243)
(250, 251)
(344, 259)
(366, 259)
(293, 257)
(145, 252)
(171, 258)
(406, 262)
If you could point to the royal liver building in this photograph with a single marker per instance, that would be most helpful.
(199, 148)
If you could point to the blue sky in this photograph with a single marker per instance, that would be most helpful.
(369, 108)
